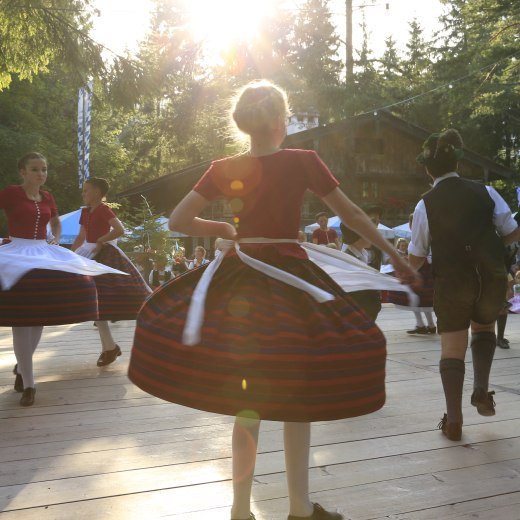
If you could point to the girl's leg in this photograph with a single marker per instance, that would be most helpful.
(429, 319)
(418, 319)
(25, 341)
(297, 440)
(245, 442)
(107, 341)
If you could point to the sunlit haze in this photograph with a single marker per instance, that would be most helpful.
(123, 23)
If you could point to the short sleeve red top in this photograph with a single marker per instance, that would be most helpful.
(27, 218)
(266, 193)
(324, 237)
(97, 222)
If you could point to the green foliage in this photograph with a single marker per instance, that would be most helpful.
(36, 33)
(167, 108)
(144, 232)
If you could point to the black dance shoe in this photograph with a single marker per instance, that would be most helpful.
(484, 402)
(28, 397)
(318, 514)
(418, 330)
(108, 356)
(432, 330)
(18, 381)
(452, 430)
(503, 343)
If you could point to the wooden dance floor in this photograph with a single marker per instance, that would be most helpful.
(95, 447)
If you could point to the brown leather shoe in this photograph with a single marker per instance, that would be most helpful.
(452, 430)
(318, 514)
(484, 402)
(108, 356)
(18, 381)
(28, 397)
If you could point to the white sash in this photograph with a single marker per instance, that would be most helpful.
(340, 266)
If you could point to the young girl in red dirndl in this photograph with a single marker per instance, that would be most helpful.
(246, 334)
(41, 283)
(119, 297)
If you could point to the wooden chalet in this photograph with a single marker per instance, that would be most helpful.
(372, 155)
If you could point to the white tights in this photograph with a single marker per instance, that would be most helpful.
(420, 322)
(297, 438)
(25, 341)
(107, 341)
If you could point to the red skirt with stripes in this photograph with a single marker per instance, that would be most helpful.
(267, 349)
(46, 297)
(119, 297)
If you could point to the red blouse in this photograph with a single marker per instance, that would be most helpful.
(324, 237)
(266, 193)
(27, 218)
(96, 222)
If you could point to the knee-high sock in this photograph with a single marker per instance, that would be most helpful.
(244, 444)
(483, 346)
(25, 341)
(297, 440)
(452, 376)
(501, 325)
(418, 319)
(429, 319)
(107, 341)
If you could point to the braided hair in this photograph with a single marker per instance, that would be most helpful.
(441, 152)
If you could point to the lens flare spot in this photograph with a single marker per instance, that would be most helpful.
(248, 414)
(237, 185)
(244, 384)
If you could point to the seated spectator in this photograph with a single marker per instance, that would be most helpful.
(200, 258)
(159, 274)
(324, 235)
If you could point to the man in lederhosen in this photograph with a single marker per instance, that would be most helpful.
(466, 224)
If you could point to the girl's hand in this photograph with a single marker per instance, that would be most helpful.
(97, 249)
(405, 273)
(228, 231)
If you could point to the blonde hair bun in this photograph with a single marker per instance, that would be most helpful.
(259, 107)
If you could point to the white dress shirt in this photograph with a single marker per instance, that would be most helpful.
(421, 238)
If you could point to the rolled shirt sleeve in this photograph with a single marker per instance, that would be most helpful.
(420, 243)
(502, 217)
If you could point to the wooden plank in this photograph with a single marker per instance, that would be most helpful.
(96, 447)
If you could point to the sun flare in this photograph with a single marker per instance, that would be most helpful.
(221, 23)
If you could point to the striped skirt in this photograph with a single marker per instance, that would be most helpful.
(119, 297)
(46, 297)
(267, 349)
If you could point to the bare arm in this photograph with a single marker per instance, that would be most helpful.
(184, 218)
(55, 224)
(512, 237)
(79, 239)
(116, 230)
(355, 218)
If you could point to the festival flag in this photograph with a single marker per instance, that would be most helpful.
(84, 119)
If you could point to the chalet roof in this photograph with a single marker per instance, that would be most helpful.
(182, 180)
